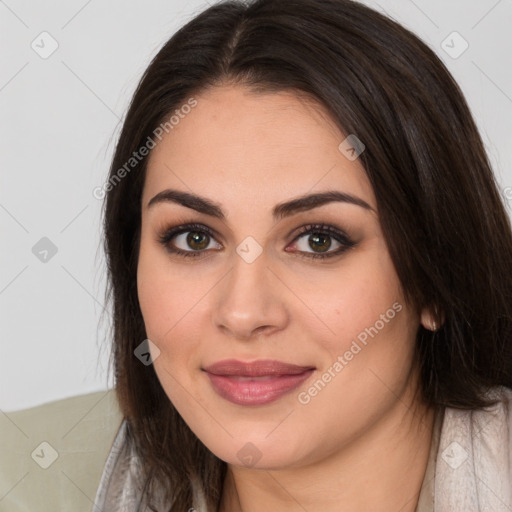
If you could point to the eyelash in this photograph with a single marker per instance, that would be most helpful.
(324, 229)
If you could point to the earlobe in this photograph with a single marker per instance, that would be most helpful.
(431, 320)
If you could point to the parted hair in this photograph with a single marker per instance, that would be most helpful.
(443, 217)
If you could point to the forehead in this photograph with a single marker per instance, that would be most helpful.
(269, 146)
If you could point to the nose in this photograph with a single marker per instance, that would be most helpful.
(250, 300)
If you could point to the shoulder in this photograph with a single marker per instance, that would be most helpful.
(473, 470)
(489, 422)
(499, 414)
(501, 410)
(52, 455)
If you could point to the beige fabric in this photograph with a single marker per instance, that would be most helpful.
(79, 431)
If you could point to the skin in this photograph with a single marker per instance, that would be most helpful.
(362, 442)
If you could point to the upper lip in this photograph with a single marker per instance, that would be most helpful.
(255, 368)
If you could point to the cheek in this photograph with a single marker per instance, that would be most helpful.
(162, 297)
(162, 310)
(170, 302)
(358, 298)
(153, 299)
(371, 345)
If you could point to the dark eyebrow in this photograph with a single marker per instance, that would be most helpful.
(286, 209)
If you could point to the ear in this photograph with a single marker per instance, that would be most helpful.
(431, 319)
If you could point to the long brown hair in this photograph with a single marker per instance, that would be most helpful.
(440, 210)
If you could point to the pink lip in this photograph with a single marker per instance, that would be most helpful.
(255, 383)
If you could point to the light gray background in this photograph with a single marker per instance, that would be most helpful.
(60, 119)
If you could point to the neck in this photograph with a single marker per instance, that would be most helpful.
(382, 471)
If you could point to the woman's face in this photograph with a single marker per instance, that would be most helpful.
(312, 286)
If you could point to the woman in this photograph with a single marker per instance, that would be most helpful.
(310, 267)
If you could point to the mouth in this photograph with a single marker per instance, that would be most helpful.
(256, 383)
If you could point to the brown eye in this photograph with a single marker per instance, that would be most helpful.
(197, 240)
(320, 242)
(188, 240)
(315, 241)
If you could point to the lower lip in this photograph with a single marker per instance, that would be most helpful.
(256, 392)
